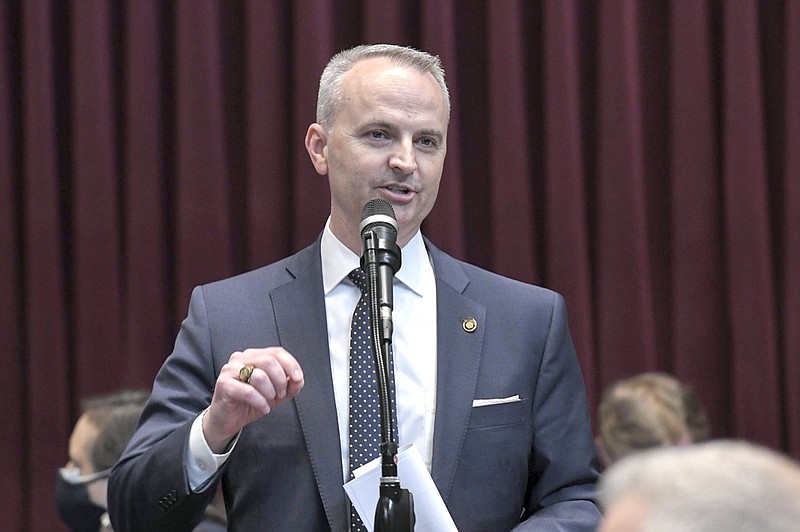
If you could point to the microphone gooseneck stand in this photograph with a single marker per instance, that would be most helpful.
(395, 509)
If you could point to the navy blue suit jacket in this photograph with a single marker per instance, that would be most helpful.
(527, 464)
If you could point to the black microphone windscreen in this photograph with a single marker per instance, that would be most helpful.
(377, 206)
(377, 212)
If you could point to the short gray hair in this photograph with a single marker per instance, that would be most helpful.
(724, 485)
(330, 84)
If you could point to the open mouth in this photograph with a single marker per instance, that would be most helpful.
(395, 189)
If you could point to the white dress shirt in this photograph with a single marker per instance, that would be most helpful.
(413, 339)
(413, 345)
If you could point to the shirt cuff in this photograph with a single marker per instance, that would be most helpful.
(201, 462)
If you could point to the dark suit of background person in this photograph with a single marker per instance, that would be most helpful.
(531, 460)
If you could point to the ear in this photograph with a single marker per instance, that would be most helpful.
(317, 147)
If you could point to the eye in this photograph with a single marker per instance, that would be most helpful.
(427, 142)
(377, 135)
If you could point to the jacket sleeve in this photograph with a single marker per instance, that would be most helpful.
(564, 465)
(148, 488)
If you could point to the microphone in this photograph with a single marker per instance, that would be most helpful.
(378, 229)
(380, 260)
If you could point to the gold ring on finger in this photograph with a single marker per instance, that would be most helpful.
(245, 373)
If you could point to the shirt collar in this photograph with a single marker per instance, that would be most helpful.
(338, 261)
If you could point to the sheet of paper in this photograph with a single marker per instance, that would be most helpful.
(429, 509)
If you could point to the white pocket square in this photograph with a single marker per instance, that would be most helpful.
(498, 401)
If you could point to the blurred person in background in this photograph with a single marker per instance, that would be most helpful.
(97, 441)
(718, 486)
(645, 411)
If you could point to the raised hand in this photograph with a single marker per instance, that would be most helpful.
(274, 377)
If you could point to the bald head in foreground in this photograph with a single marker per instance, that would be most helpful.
(720, 486)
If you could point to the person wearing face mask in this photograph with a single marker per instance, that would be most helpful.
(96, 443)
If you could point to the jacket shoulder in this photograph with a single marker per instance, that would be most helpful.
(471, 279)
(265, 278)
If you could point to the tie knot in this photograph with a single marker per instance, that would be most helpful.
(359, 279)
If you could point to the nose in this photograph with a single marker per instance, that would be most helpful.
(403, 158)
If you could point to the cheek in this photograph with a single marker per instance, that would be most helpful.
(97, 492)
(431, 191)
(430, 171)
(347, 173)
(627, 515)
(348, 154)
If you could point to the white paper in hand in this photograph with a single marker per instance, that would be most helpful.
(429, 508)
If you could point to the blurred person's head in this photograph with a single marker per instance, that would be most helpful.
(646, 411)
(718, 486)
(96, 443)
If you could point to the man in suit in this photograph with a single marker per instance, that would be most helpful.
(488, 384)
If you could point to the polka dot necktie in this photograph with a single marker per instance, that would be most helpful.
(365, 424)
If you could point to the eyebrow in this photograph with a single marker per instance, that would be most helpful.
(432, 133)
(380, 124)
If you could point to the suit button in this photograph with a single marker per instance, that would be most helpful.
(166, 502)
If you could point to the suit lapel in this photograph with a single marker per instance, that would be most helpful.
(300, 315)
(458, 361)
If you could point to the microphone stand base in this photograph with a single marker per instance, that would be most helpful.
(395, 510)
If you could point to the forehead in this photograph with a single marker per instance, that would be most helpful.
(81, 442)
(380, 80)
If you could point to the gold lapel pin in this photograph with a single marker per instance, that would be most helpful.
(469, 325)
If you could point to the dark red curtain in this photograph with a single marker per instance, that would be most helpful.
(642, 158)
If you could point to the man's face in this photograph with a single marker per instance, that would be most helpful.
(81, 441)
(388, 140)
(627, 514)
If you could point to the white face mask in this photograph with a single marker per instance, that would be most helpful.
(72, 475)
